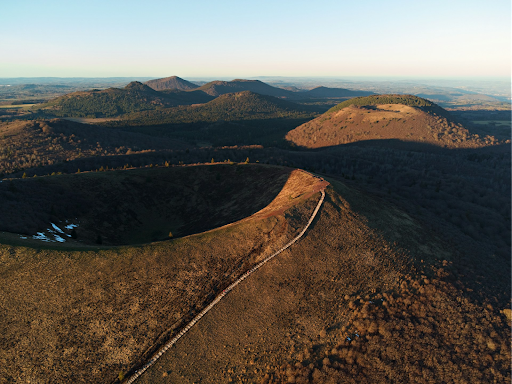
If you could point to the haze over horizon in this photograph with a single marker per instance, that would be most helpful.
(240, 39)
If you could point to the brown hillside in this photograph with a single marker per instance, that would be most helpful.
(173, 82)
(385, 121)
(367, 296)
(86, 316)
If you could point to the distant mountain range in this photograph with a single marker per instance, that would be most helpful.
(171, 92)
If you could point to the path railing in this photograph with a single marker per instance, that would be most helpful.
(173, 341)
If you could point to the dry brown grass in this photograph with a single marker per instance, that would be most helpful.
(383, 122)
(289, 321)
(85, 316)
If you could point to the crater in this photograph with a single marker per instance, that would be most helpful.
(138, 206)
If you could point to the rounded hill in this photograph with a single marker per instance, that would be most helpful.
(108, 102)
(173, 82)
(249, 103)
(409, 100)
(386, 118)
(217, 88)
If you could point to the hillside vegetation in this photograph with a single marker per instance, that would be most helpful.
(86, 316)
(386, 117)
(36, 144)
(113, 102)
(231, 119)
(409, 100)
(217, 88)
(368, 296)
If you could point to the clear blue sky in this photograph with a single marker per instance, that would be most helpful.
(194, 38)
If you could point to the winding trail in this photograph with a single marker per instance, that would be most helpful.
(173, 341)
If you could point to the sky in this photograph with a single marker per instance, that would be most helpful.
(219, 38)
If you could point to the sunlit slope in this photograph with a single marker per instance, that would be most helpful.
(84, 317)
(367, 296)
(386, 117)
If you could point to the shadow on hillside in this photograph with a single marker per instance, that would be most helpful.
(141, 205)
(479, 272)
(262, 131)
(401, 145)
(459, 195)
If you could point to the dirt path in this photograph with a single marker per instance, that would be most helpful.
(169, 344)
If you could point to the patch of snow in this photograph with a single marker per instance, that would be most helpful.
(59, 239)
(57, 228)
(348, 338)
(23, 237)
(40, 236)
(71, 226)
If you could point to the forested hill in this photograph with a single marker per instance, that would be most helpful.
(113, 101)
(243, 118)
(239, 106)
(173, 82)
(30, 144)
(216, 88)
